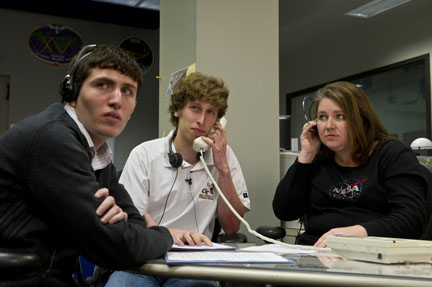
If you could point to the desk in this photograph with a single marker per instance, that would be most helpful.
(308, 270)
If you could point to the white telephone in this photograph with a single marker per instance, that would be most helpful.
(200, 145)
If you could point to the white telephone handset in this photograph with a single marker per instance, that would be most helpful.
(199, 144)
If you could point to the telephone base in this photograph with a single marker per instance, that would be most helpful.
(381, 249)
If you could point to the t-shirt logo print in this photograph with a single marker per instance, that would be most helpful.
(348, 190)
(208, 192)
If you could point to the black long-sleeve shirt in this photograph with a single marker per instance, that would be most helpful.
(47, 202)
(387, 196)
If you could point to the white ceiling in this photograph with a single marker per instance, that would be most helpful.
(305, 25)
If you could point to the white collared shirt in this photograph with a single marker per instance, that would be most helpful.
(103, 156)
(185, 198)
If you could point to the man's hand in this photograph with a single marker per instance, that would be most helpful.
(149, 220)
(108, 209)
(193, 238)
(218, 143)
(355, 230)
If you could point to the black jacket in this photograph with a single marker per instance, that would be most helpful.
(387, 196)
(47, 202)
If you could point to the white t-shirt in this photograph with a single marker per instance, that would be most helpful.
(187, 192)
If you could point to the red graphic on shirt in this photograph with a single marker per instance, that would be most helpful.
(348, 190)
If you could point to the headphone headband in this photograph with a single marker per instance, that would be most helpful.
(66, 88)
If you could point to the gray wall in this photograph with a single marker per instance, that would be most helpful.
(356, 52)
(227, 41)
(34, 85)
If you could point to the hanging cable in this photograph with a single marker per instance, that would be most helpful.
(251, 231)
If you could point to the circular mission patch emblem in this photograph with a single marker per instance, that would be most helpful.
(140, 50)
(54, 44)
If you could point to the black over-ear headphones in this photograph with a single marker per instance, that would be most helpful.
(175, 159)
(66, 88)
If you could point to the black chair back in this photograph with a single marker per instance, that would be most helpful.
(19, 268)
(427, 171)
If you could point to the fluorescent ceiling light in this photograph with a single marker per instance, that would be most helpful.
(375, 7)
(145, 4)
(149, 4)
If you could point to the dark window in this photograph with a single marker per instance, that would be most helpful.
(400, 94)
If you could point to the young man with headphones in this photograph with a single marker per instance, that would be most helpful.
(53, 163)
(168, 183)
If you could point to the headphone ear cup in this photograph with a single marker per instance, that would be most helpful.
(66, 89)
(175, 159)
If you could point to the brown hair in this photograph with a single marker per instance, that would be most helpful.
(199, 87)
(107, 56)
(364, 125)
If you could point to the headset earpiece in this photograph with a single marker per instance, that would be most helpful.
(175, 159)
(66, 88)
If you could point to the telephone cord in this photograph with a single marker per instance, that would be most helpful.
(249, 229)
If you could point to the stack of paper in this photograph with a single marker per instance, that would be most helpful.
(219, 253)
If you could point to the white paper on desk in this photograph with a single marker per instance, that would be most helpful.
(215, 246)
(224, 257)
(276, 248)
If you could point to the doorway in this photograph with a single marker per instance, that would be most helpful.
(4, 103)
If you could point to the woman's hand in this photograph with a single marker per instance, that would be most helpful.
(355, 230)
(108, 209)
(310, 142)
